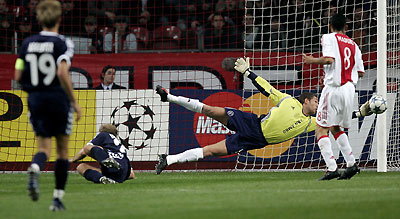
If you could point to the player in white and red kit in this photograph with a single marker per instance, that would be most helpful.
(343, 66)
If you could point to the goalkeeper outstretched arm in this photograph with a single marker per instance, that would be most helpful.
(243, 66)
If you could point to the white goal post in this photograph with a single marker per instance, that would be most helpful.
(381, 82)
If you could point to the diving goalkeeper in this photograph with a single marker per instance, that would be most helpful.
(290, 118)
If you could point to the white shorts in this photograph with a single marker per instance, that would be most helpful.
(335, 106)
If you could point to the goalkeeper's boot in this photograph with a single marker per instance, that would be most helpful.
(106, 180)
(162, 92)
(350, 172)
(162, 163)
(110, 163)
(57, 205)
(330, 175)
(33, 183)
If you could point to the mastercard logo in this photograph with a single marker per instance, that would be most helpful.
(209, 131)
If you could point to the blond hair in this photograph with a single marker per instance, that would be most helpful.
(110, 128)
(48, 13)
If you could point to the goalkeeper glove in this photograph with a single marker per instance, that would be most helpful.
(364, 110)
(243, 66)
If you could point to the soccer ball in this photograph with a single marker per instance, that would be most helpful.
(134, 122)
(377, 104)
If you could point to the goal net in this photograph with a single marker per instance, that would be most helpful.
(277, 34)
(393, 83)
(188, 47)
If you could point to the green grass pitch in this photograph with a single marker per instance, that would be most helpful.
(210, 195)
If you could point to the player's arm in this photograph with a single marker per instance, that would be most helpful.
(243, 66)
(131, 175)
(327, 58)
(79, 156)
(66, 84)
(19, 67)
(85, 151)
(319, 61)
(359, 62)
(20, 63)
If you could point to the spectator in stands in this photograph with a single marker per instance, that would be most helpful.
(150, 14)
(250, 35)
(105, 11)
(144, 21)
(186, 11)
(205, 12)
(265, 10)
(70, 18)
(232, 10)
(372, 31)
(218, 35)
(360, 27)
(322, 26)
(267, 18)
(6, 27)
(90, 31)
(107, 78)
(125, 42)
(27, 23)
(298, 22)
(273, 38)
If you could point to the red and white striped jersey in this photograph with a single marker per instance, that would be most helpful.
(348, 59)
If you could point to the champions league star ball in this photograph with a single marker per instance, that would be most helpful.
(377, 104)
(134, 122)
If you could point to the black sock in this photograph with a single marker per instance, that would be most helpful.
(61, 173)
(98, 154)
(40, 159)
(92, 175)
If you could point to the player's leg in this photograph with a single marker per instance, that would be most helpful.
(194, 105)
(347, 91)
(217, 149)
(101, 156)
(217, 113)
(93, 174)
(60, 172)
(325, 147)
(343, 141)
(37, 164)
(327, 116)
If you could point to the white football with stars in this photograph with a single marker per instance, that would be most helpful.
(377, 104)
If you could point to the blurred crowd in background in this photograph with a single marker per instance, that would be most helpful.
(122, 26)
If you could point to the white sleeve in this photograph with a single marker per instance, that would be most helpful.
(68, 54)
(359, 61)
(107, 46)
(327, 46)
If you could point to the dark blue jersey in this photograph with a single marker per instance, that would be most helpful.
(108, 141)
(42, 53)
(116, 150)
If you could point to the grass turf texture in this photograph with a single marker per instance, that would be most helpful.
(210, 195)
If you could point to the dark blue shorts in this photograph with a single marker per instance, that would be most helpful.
(118, 175)
(50, 113)
(248, 134)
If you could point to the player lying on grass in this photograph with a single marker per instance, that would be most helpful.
(290, 118)
(106, 149)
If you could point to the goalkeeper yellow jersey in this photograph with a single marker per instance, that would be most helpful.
(286, 119)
